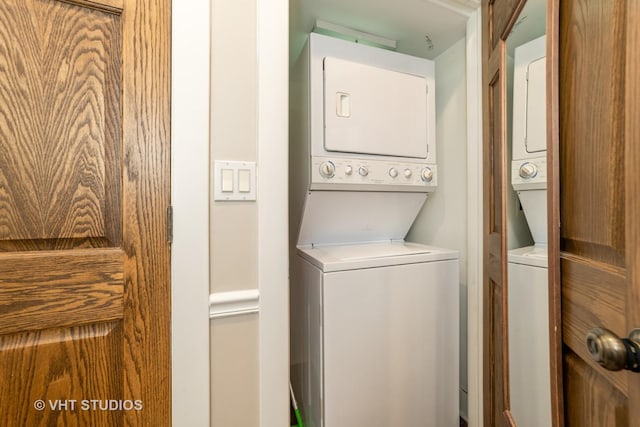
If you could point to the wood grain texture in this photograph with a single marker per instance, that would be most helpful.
(87, 287)
(553, 213)
(59, 121)
(632, 183)
(60, 364)
(597, 403)
(146, 190)
(87, 170)
(592, 110)
(495, 356)
(110, 6)
(586, 303)
(502, 14)
(497, 148)
(495, 392)
(598, 203)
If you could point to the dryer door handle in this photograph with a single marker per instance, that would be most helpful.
(343, 104)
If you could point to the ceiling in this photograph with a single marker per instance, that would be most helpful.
(408, 22)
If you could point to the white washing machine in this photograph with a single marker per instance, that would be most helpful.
(377, 329)
(529, 369)
(374, 320)
(528, 295)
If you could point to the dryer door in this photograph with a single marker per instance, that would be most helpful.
(370, 110)
(536, 127)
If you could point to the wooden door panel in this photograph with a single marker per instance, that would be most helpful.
(84, 191)
(596, 197)
(60, 94)
(494, 161)
(53, 289)
(497, 151)
(586, 303)
(592, 114)
(60, 366)
(496, 391)
(597, 403)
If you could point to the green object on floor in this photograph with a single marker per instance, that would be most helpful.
(295, 408)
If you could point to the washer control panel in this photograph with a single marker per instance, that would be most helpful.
(372, 174)
(529, 174)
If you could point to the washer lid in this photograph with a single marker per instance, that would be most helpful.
(535, 256)
(373, 254)
(346, 217)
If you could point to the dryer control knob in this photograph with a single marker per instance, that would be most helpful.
(393, 172)
(407, 173)
(363, 171)
(528, 170)
(327, 169)
(348, 170)
(427, 174)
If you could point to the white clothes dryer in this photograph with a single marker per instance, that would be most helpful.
(376, 337)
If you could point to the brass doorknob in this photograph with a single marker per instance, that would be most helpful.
(612, 352)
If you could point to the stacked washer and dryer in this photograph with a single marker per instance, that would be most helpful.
(374, 319)
(528, 295)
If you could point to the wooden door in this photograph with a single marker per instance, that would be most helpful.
(599, 151)
(498, 17)
(84, 191)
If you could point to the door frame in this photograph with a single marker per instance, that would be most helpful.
(474, 219)
(273, 209)
(190, 80)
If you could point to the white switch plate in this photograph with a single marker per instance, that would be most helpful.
(239, 192)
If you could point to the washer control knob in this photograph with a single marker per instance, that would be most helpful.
(427, 174)
(327, 169)
(528, 170)
(407, 173)
(348, 170)
(363, 171)
(393, 172)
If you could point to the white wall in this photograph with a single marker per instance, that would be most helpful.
(189, 194)
(443, 219)
(238, 48)
(234, 225)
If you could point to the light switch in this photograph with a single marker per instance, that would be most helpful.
(234, 181)
(227, 180)
(244, 180)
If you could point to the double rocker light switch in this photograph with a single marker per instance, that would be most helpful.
(226, 180)
(244, 180)
(234, 180)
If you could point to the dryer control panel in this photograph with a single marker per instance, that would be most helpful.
(529, 174)
(359, 173)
